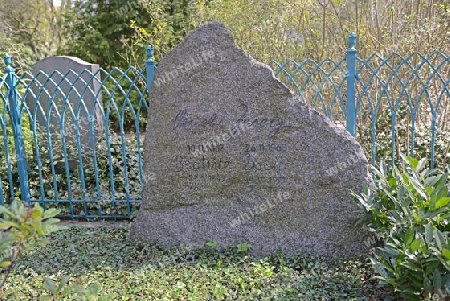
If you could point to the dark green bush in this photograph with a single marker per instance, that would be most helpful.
(408, 210)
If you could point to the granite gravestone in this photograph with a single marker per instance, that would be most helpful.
(60, 81)
(232, 156)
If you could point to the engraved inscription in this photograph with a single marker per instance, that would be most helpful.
(255, 164)
(203, 160)
(205, 148)
(262, 147)
(182, 120)
(275, 125)
(182, 163)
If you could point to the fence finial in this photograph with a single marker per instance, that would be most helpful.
(7, 60)
(352, 40)
(149, 52)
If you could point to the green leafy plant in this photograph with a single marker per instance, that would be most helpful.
(408, 210)
(23, 228)
(59, 289)
(92, 293)
(62, 289)
(212, 244)
(243, 248)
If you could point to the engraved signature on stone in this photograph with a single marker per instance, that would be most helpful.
(184, 121)
(276, 125)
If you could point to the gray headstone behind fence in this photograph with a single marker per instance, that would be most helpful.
(73, 82)
(232, 156)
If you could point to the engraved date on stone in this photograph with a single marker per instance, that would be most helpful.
(263, 147)
(204, 148)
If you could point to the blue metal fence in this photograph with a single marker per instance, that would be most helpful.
(391, 105)
(85, 159)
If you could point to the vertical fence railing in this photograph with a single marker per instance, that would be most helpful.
(351, 77)
(150, 68)
(16, 117)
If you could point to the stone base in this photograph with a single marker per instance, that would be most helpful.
(198, 224)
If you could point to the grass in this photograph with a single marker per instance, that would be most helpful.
(145, 271)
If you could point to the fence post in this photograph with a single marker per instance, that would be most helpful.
(15, 115)
(351, 76)
(150, 67)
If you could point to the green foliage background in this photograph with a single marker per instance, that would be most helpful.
(116, 32)
(111, 33)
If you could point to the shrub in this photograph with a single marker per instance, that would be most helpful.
(408, 210)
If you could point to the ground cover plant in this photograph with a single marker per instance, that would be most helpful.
(408, 213)
(101, 264)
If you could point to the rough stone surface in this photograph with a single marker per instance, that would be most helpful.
(62, 80)
(232, 156)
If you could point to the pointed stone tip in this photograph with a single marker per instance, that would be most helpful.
(212, 29)
(212, 24)
(211, 44)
